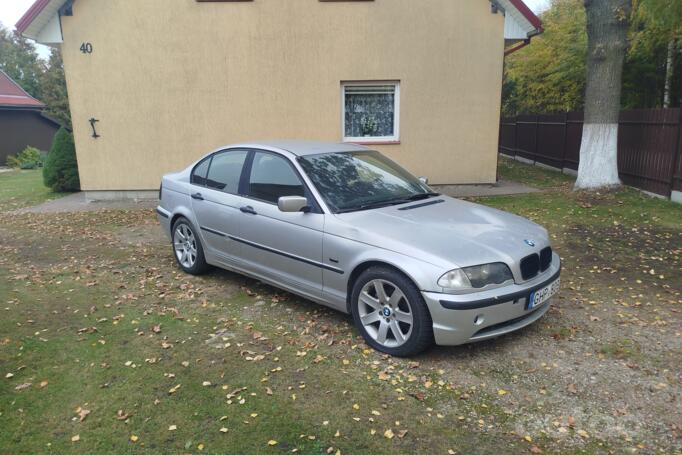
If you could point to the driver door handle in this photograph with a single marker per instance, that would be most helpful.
(248, 209)
(198, 196)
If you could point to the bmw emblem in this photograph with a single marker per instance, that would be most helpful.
(387, 312)
(529, 242)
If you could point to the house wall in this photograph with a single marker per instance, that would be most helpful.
(21, 128)
(170, 80)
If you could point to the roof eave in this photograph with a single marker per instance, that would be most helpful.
(37, 19)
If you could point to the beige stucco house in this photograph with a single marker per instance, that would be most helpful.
(155, 84)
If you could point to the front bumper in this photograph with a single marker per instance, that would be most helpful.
(465, 318)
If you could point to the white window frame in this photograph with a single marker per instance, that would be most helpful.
(395, 138)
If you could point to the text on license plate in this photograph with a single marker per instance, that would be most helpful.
(540, 296)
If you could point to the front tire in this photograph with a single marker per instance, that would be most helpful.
(187, 248)
(390, 313)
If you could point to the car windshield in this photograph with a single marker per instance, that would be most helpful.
(350, 181)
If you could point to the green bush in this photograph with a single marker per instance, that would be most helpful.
(61, 168)
(30, 158)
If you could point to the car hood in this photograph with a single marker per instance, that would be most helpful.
(450, 233)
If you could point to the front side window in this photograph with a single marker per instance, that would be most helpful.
(352, 181)
(272, 177)
(370, 111)
(225, 171)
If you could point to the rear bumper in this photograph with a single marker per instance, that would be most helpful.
(459, 319)
(164, 217)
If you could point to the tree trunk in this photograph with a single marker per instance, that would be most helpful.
(668, 72)
(607, 27)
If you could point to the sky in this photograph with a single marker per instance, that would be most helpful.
(12, 10)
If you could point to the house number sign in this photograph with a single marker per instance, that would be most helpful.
(86, 48)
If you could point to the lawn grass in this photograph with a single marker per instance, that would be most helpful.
(534, 176)
(561, 204)
(23, 188)
(92, 320)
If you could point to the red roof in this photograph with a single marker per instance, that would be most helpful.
(12, 95)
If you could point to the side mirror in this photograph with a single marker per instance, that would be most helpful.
(292, 203)
(424, 180)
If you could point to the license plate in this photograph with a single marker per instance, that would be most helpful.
(537, 298)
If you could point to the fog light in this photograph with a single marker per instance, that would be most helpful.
(478, 320)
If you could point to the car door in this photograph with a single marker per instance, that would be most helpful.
(216, 202)
(285, 247)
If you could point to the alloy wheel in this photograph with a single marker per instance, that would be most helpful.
(385, 313)
(185, 245)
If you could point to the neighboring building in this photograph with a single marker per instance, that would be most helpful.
(155, 84)
(22, 122)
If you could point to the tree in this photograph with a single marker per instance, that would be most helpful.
(549, 75)
(53, 86)
(660, 22)
(60, 171)
(607, 33)
(19, 59)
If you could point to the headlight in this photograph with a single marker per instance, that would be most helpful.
(476, 277)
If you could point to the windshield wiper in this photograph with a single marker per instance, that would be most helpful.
(379, 204)
(420, 196)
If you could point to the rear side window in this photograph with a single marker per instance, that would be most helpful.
(200, 171)
(271, 177)
(225, 170)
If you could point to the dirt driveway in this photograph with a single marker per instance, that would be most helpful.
(97, 317)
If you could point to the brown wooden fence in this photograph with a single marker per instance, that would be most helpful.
(649, 145)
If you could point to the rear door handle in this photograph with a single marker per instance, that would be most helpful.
(198, 196)
(248, 209)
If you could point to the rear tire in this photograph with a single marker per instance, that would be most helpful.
(187, 248)
(390, 313)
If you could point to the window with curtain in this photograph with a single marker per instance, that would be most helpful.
(370, 111)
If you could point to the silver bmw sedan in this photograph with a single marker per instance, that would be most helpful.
(344, 226)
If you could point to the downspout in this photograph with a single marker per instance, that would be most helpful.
(511, 50)
(525, 43)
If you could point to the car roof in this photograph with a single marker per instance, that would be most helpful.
(302, 148)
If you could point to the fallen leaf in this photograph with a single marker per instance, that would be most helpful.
(76, 438)
(174, 389)
(43, 384)
(388, 434)
(134, 438)
(83, 414)
(23, 386)
(121, 415)
(172, 428)
(272, 442)
(501, 392)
